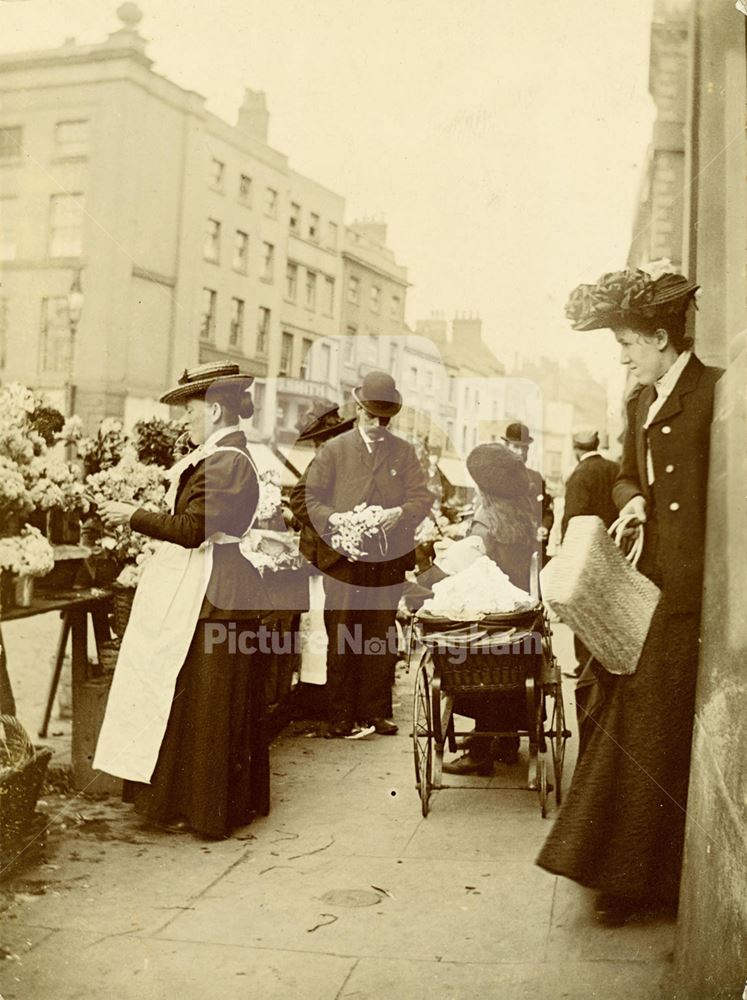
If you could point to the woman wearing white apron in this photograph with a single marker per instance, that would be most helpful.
(183, 724)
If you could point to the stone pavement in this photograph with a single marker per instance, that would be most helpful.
(343, 893)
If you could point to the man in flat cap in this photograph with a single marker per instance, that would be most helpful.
(518, 439)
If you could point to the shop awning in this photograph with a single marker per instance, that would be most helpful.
(455, 470)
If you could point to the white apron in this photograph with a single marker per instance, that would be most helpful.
(314, 636)
(164, 615)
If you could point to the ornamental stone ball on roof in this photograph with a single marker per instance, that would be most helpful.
(130, 15)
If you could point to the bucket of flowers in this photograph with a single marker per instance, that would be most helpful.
(23, 558)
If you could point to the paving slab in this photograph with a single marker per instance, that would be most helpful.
(71, 967)
(576, 935)
(373, 979)
(471, 911)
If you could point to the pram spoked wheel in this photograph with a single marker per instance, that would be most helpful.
(422, 734)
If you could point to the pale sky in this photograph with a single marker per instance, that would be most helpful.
(503, 140)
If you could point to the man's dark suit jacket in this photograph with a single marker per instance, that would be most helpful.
(679, 438)
(343, 474)
(589, 490)
(540, 501)
(218, 494)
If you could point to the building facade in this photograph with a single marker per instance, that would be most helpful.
(181, 227)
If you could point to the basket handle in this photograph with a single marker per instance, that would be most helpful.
(616, 531)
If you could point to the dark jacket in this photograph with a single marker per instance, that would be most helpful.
(218, 494)
(679, 439)
(313, 548)
(344, 474)
(509, 536)
(540, 500)
(589, 490)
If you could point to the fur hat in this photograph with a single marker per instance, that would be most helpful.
(497, 472)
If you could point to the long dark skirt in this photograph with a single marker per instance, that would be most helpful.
(621, 830)
(213, 767)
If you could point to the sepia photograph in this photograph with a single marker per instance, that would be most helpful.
(373, 499)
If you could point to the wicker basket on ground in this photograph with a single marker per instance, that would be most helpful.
(108, 654)
(22, 770)
(122, 598)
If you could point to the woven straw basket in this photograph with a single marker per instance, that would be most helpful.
(597, 591)
(22, 770)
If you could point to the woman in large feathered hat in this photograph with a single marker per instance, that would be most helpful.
(621, 830)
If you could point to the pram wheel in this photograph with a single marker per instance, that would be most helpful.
(422, 734)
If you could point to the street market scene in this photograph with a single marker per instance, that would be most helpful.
(373, 549)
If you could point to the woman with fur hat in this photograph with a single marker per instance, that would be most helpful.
(503, 520)
(183, 724)
(621, 830)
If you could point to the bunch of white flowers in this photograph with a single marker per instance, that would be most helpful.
(14, 495)
(353, 527)
(55, 483)
(130, 575)
(130, 481)
(270, 497)
(27, 554)
(270, 551)
(426, 531)
(18, 439)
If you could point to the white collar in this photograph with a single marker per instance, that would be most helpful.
(369, 443)
(588, 454)
(218, 435)
(665, 385)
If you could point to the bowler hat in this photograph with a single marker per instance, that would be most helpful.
(194, 382)
(497, 471)
(518, 434)
(378, 395)
(322, 421)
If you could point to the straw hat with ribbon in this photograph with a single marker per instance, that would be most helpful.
(194, 382)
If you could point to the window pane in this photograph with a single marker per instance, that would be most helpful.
(241, 251)
(216, 174)
(313, 226)
(55, 335)
(294, 223)
(306, 346)
(71, 138)
(329, 296)
(326, 358)
(8, 223)
(353, 289)
(332, 235)
(207, 314)
(211, 249)
(291, 282)
(271, 202)
(311, 290)
(375, 298)
(268, 261)
(263, 329)
(286, 354)
(11, 143)
(65, 225)
(236, 332)
(245, 188)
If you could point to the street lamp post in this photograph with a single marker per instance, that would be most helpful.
(74, 311)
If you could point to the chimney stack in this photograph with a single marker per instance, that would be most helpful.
(254, 118)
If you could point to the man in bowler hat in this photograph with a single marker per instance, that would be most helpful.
(518, 439)
(366, 465)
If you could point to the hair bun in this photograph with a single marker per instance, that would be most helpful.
(246, 405)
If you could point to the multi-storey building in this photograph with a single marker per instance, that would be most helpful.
(181, 226)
